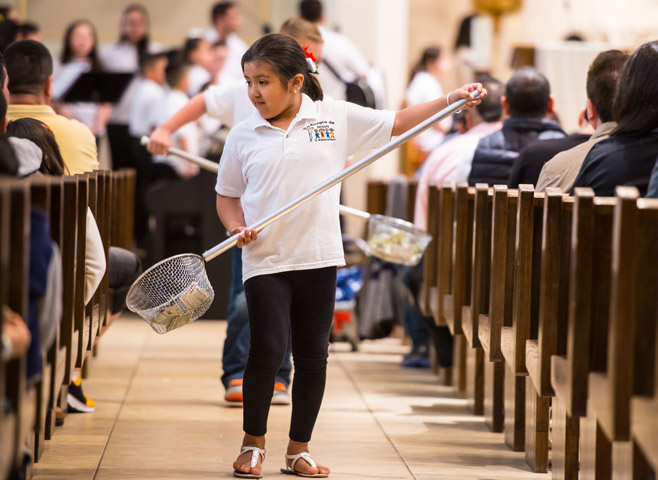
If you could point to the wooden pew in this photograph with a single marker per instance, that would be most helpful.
(644, 404)
(82, 325)
(631, 328)
(479, 296)
(429, 259)
(92, 309)
(443, 260)
(524, 311)
(550, 337)
(458, 292)
(21, 400)
(589, 293)
(57, 354)
(499, 313)
(40, 198)
(8, 428)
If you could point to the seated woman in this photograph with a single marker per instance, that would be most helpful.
(628, 156)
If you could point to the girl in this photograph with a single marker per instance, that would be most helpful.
(79, 55)
(288, 122)
(197, 52)
(293, 143)
(424, 85)
(123, 57)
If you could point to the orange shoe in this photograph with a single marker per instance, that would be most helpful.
(234, 391)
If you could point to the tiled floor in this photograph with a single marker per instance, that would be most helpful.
(160, 415)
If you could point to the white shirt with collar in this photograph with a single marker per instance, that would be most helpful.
(229, 103)
(144, 108)
(268, 167)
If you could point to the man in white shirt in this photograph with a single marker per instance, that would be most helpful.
(226, 21)
(451, 161)
(339, 52)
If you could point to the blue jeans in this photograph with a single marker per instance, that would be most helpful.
(238, 337)
(414, 324)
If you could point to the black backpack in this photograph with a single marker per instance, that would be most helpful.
(358, 91)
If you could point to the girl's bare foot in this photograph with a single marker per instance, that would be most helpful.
(243, 463)
(302, 465)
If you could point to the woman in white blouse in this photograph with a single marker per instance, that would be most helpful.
(79, 55)
(424, 86)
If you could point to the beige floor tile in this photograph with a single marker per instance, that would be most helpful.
(160, 415)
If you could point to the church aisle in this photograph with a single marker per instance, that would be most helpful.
(160, 415)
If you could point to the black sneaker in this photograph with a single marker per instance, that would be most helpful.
(76, 399)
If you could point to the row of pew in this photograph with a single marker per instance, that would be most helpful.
(27, 419)
(552, 301)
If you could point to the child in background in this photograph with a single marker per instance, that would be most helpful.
(187, 138)
(219, 56)
(149, 94)
(197, 52)
(290, 273)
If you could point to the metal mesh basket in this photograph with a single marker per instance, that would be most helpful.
(396, 241)
(172, 293)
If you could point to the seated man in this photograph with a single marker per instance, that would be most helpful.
(602, 77)
(526, 102)
(30, 68)
(451, 161)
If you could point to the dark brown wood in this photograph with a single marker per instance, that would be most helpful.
(514, 410)
(502, 264)
(8, 438)
(82, 325)
(412, 187)
(68, 332)
(536, 428)
(18, 301)
(430, 257)
(494, 405)
(40, 198)
(461, 258)
(595, 450)
(376, 197)
(564, 443)
(444, 253)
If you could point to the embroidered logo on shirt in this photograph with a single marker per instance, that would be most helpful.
(322, 131)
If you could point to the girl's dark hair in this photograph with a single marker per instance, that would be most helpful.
(286, 58)
(41, 134)
(429, 55)
(143, 44)
(190, 46)
(67, 53)
(635, 108)
(464, 34)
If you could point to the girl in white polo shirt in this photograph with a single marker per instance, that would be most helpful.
(291, 144)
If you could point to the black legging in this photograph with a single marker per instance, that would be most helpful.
(302, 303)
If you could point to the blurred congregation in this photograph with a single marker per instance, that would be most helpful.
(571, 106)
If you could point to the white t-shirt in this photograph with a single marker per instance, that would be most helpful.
(232, 71)
(424, 87)
(229, 103)
(144, 108)
(198, 78)
(173, 101)
(267, 168)
(122, 57)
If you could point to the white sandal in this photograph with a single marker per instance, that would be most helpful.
(307, 457)
(255, 452)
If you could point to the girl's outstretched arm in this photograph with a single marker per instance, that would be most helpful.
(412, 116)
(161, 136)
(229, 210)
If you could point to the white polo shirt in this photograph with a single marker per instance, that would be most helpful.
(268, 167)
(229, 103)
